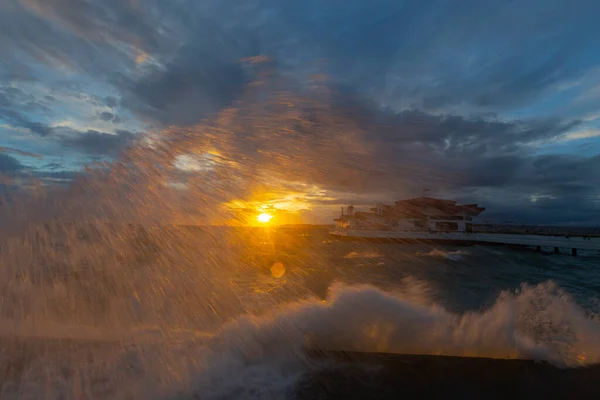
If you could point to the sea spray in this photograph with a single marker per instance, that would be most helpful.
(365, 319)
(105, 294)
(456, 255)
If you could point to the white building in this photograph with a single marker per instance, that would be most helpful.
(418, 214)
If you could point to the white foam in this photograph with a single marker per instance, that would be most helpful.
(367, 254)
(538, 323)
(262, 356)
(449, 255)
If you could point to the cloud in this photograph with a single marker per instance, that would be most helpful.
(202, 78)
(16, 105)
(581, 134)
(89, 37)
(15, 169)
(109, 117)
(99, 21)
(401, 54)
(106, 116)
(55, 177)
(417, 94)
(98, 143)
(53, 166)
(345, 146)
(9, 164)
(19, 152)
(110, 101)
(488, 56)
(22, 121)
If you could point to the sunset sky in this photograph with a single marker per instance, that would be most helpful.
(495, 102)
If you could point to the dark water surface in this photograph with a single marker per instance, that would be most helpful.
(100, 311)
(460, 278)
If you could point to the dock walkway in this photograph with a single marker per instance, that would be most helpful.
(573, 243)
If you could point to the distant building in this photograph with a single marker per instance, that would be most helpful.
(418, 214)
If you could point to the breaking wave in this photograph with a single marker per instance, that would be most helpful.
(254, 356)
(355, 254)
(265, 354)
(538, 322)
(449, 255)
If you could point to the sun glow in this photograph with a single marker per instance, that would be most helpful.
(264, 218)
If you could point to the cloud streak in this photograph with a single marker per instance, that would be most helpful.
(98, 143)
(19, 152)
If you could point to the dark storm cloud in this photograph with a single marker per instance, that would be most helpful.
(347, 147)
(102, 21)
(15, 98)
(110, 101)
(106, 116)
(495, 55)
(109, 117)
(576, 209)
(204, 77)
(55, 176)
(98, 143)
(19, 152)
(53, 166)
(15, 105)
(20, 120)
(546, 189)
(450, 151)
(9, 164)
(495, 171)
(482, 55)
(12, 168)
(440, 62)
(24, 35)
(565, 176)
(95, 37)
(464, 134)
(401, 53)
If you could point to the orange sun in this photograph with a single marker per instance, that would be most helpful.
(264, 218)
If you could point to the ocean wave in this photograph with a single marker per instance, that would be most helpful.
(263, 356)
(449, 255)
(539, 322)
(368, 254)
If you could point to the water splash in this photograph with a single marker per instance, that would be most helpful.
(354, 254)
(449, 255)
(105, 294)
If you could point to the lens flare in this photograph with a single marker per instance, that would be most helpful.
(277, 270)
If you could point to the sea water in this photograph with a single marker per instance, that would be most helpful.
(111, 289)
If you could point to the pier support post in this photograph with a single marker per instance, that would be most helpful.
(556, 251)
(573, 252)
(538, 248)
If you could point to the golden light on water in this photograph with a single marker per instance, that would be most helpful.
(264, 218)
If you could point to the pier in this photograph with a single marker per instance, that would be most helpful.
(570, 243)
(428, 219)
